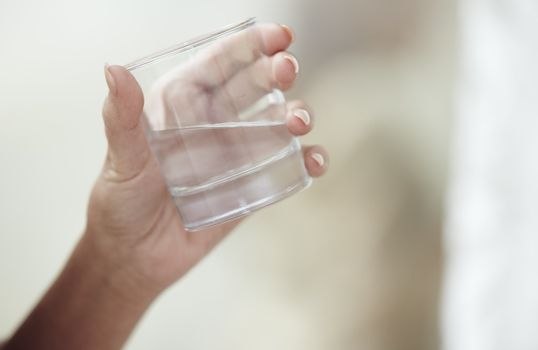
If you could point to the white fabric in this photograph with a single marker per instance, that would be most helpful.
(491, 285)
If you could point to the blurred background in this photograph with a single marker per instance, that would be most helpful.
(352, 263)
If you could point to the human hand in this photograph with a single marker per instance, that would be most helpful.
(133, 224)
(134, 245)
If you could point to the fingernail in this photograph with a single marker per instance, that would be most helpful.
(110, 79)
(303, 115)
(293, 61)
(289, 31)
(319, 159)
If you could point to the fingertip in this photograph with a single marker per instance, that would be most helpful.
(303, 116)
(123, 79)
(275, 37)
(319, 159)
(128, 93)
(299, 122)
(316, 161)
(289, 32)
(114, 70)
(300, 118)
(294, 63)
(286, 68)
(125, 102)
(110, 81)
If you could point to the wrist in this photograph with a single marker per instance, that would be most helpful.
(93, 304)
(114, 272)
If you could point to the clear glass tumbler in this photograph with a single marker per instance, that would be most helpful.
(217, 128)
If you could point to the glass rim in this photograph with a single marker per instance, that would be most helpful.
(188, 45)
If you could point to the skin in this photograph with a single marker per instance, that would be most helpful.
(134, 245)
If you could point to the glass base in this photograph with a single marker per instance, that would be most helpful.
(239, 195)
(245, 211)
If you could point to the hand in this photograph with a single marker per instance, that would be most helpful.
(133, 223)
(134, 245)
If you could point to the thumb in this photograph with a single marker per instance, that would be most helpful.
(128, 149)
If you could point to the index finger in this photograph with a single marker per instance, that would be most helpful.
(221, 60)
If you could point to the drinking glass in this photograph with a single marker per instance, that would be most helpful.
(217, 128)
